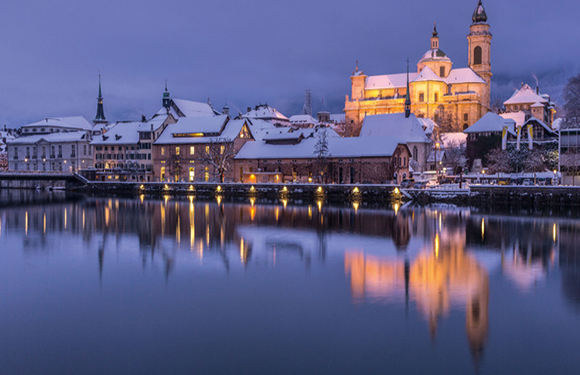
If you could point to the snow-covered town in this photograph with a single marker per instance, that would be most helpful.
(427, 127)
(413, 127)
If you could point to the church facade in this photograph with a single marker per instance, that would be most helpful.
(453, 98)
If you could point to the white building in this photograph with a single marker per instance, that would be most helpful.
(55, 125)
(266, 113)
(57, 152)
(532, 104)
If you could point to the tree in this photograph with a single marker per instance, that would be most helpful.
(455, 156)
(535, 162)
(498, 162)
(173, 163)
(321, 152)
(220, 153)
(3, 161)
(571, 93)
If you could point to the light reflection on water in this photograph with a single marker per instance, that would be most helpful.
(348, 290)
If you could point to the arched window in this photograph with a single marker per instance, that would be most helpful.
(477, 55)
(415, 153)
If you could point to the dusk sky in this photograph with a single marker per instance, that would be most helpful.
(254, 51)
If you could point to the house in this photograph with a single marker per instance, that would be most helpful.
(56, 125)
(485, 135)
(532, 104)
(346, 160)
(266, 113)
(67, 151)
(124, 151)
(303, 121)
(199, 148)
(408, 130)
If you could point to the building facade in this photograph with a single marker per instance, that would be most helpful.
(456, 98)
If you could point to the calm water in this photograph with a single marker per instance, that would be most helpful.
(121, 286)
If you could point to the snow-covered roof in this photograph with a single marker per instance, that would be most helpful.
(491, 122)
(73, 123)
(453, 139)
(312, 132)
(389, 81)
(189, 108)
(546, 127)
(463, 75)
(427, 74)
(434, 54)
(303, 120)
(427, 124)
(519, 117)
(127, 132)
(265, 112)
(189, 132)
(261, 128)
(351, 147)
(408, 130)
(525, 95)
(62, 137)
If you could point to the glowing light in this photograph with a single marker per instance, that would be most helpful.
(190, 188)
(319, 204)
(355, 205)
(310, 212)
(26, 223)
(44, 224)
(284, 189)
(284, 202)
(310, 179)
(142, 187)
(482, 228)
(166, 187)
(437, 245)
(166, 198)
(218, 199)
(319, 190)
(554, 232)
(243, 253)
(219, 188)
(252, 189)
(396, 208)
(141, 197)
(397, 191)
(355, 190)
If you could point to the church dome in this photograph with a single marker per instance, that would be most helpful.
(434, 55)
(479, 15)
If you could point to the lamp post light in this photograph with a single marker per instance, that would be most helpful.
(437, 145)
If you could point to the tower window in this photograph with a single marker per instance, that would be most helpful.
(465, 117)
(442, 72)
(421, 97)
(477, 55)
(436, 97)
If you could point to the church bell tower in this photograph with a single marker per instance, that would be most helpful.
(100, 117)
(479, 41)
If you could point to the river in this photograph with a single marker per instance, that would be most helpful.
(171, 286)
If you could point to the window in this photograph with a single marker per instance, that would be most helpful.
(191, 174)
(477, 55)
(222, 149)
(60, 151)
(436, 97)
(465, 117)
(177, 150)
(415, 153)
(207, 149)
(162, 173)
(442, 71)
(162, 151)
(206, 174)
(421, 97)
(85, 150)
(192, 150)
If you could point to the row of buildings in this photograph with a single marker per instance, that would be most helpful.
(392, 126)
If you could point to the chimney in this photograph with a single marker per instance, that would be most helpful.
(537, 90)
(249, 109)
(226, 110)
(522, 85)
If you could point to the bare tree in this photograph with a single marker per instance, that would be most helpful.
(571, 93)
(498, 162)
(173, 163)
(220, 153)
(535, 162)
(455, 156)
(3, 161)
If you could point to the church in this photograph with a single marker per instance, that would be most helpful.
(453, 98)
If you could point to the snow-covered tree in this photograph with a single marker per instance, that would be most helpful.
(220, 154)
(535, 162)
(571, 93)
(498, 162)
(455, 156)
(571, 162)
(321, 152)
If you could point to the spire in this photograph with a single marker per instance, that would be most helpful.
(100, 117)
(435, 37)
(408, 95)
(435, 34)
(166, 98)
(479, 15)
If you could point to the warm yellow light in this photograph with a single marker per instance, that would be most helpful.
(355, 206)
(482, 228)
(437, 245)
(219, 188)
(166, 187)
(142, 187)
(319, 189)
(190, 188)
(554, 232)
(252, 201)
(396, 208)
(218, 199)
(355, 190)
(397, 191)
(252, 189)
(284, 189)
(284, 202)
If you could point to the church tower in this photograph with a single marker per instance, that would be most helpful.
(100, 117)
(479, 41)
(166, 98)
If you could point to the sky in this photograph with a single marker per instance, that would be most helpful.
(255, 51)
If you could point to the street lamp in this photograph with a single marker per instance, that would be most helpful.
(436, 165)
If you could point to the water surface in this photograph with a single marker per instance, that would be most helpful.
(145, 286)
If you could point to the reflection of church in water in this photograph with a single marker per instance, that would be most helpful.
(438, 280)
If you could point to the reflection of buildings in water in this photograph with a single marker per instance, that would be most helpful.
(522, 268)
(569, 262)
(436, 280)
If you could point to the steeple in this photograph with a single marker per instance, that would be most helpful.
(435, 37)
(479, 15)
(408, 95)
(100, 117)
(166, 98)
